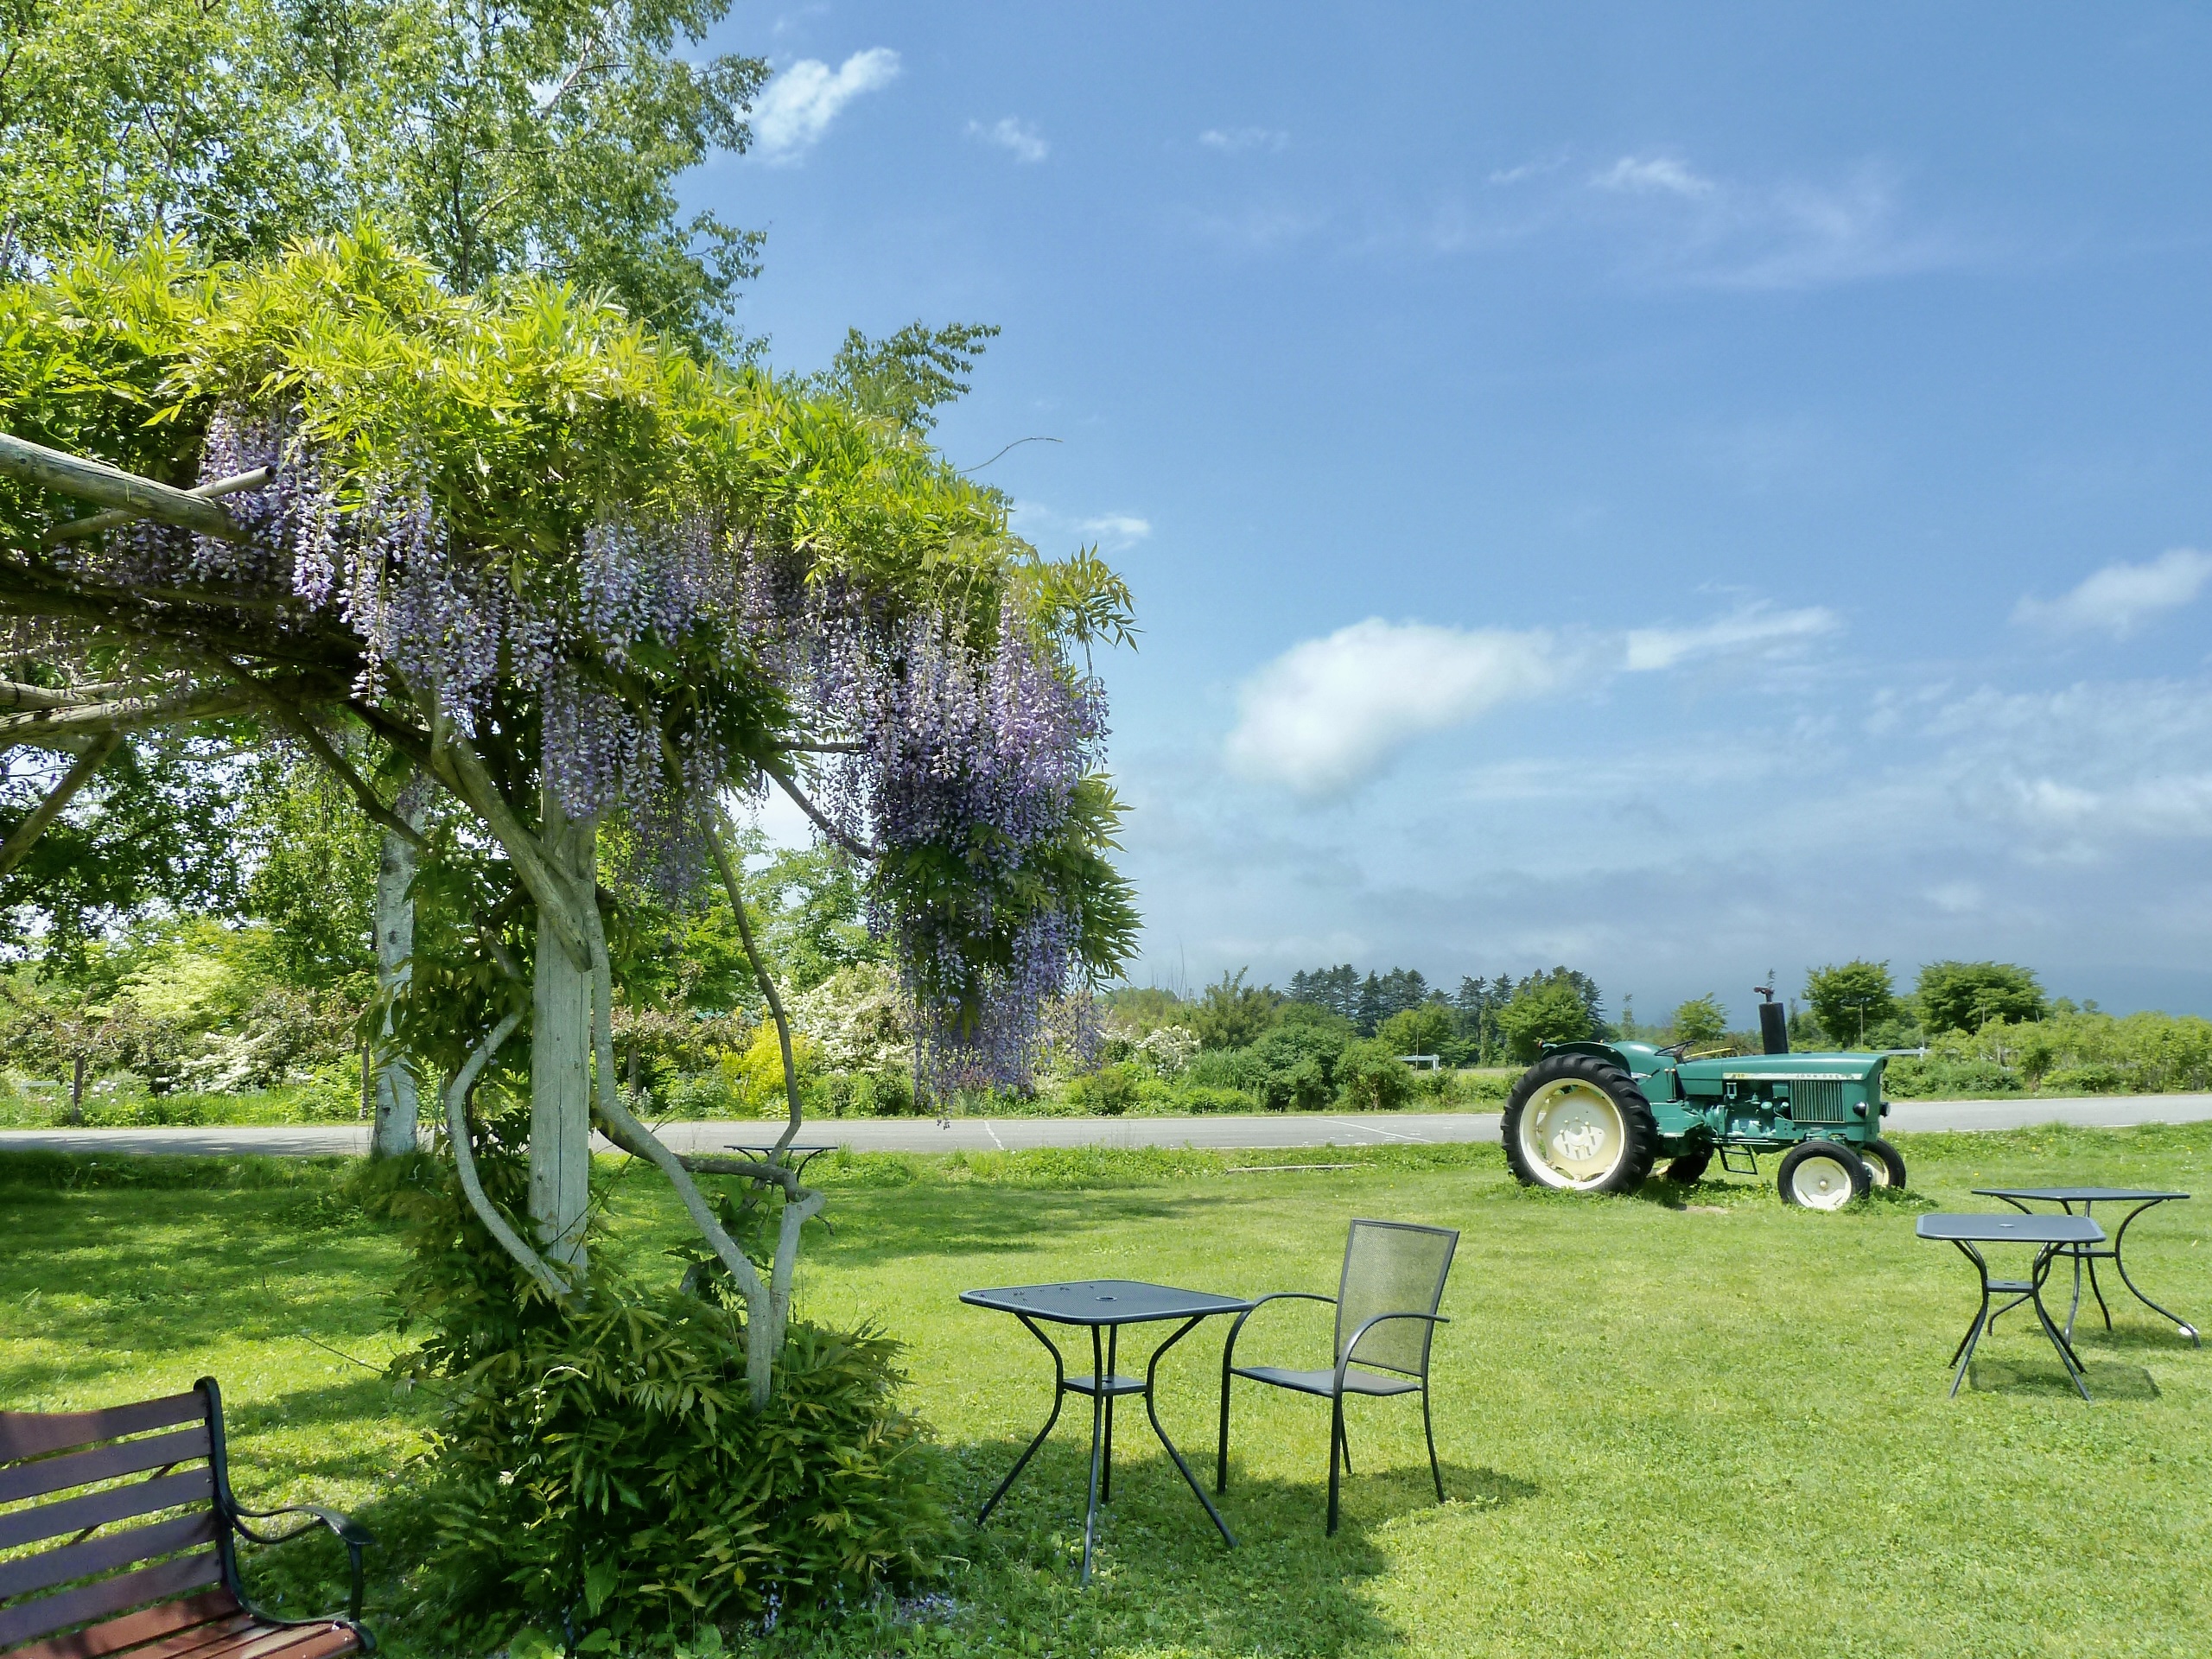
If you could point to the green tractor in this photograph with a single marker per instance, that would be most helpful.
(1595, 1118)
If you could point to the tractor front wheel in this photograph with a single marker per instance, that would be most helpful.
(1578, 1124)
(1822, 1175)
(1885, 1164)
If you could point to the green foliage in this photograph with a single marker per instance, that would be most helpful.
(907, 376)
(314, 883)
(1850, 999)
(1293, 1067)
(152, 831)
(1424, 1030)
(812, 922)
(1548, 1010)
(1966, 995)
(546, 136)
(1144, 1009)
(1108, 1092)
(605, 1463)
(1700, 1022)
(1370, 1076)
(1232, 1015)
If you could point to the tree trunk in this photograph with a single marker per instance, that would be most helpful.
(395, 1107)
(560, 1058)
(77, 1090)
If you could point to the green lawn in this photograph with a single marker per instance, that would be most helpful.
(1712, 1428)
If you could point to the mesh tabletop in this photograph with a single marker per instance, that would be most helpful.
(2013, 1229)
(1104, 1301)
(2078, 1194)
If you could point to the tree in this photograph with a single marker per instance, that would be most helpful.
(1700, 1022)
(1371, 1077)
(1968, 996)
(1851, 998)
(530, 135)
(1232, 1015)
(1424, 1030)
(1548, 1010)
(905, 378)
(572, 578)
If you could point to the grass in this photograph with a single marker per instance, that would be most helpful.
(1671, 1424)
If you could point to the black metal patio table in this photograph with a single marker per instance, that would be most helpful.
(2051, 1236)
(1104, 1305)
(799, 1157)
(2089, 1198)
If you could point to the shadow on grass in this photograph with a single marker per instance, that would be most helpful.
(2107, 1379)
(981, 1220)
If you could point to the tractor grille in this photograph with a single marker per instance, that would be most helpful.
(1818, 1100)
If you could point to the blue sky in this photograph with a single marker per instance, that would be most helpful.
(1675, 491)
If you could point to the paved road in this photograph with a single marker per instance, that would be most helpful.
(1237, 1132)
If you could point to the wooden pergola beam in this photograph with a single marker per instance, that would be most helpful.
(111, 487)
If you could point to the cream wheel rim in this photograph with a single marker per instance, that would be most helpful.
(1877, 1170)
(1573, 1133)
(1820, 1182)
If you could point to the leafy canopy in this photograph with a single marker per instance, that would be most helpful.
(1851, 998)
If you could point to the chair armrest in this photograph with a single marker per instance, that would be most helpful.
(348, 1531)
(1343, 1360)
(1229, 1348)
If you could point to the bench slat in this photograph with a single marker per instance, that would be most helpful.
(51, 1566)
(190, 1624)
(82, 1468)
(198, 1642)
(27, 1434)
(279, 1641)
(26, 1620)
(98, 1508)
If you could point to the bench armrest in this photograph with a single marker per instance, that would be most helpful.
(348, 1531)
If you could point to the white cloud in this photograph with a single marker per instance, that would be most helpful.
(1752, 627)
(1120, 527)
(798, 106)
(1235, 140)
(2119, 598)
(1662, 174)
(1328, 714)
(1024, 141)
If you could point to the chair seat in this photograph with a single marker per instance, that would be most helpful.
(1324, 1383)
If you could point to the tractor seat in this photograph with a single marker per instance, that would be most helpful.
(1324, 1383)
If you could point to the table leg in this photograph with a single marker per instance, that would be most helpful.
(1962, 1355)
(1152, 1410)
(1059, 1393)
(1113, 1365)
(2044, 1260)
(1097, 1420)
(2182, 1326)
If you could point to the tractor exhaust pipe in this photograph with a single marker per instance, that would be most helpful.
(1774, 1019)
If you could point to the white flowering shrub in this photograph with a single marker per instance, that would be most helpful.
(1169, 1051)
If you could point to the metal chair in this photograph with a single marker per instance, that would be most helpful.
(1386, 1305)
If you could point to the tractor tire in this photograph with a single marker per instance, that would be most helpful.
(1885, 1164)
(1822, 1175)
(1580, 1124)
(1689, 1169)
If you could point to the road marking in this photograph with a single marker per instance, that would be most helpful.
(1371, 1129)
(993, 1133)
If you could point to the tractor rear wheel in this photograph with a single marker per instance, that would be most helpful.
(1822, 1175)
(1689, 1169)
(1579, 1124)
(1885, 1164)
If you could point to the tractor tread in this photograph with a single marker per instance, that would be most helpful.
(1635, 1112)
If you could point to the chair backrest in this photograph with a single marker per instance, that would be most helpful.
(1393, 1267)
(82, 1464)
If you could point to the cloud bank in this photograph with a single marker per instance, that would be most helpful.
(798, 106)
(2120, 598)
(1328, 714)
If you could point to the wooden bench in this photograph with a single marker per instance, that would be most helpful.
(168, 1589)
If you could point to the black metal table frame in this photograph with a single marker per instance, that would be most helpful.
(2092, 1255)
(1102, 1420)
(1962, 1355)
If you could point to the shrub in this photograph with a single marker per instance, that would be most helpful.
(604, 1468)
(1295, 1066)
(1200, 1098)
(1908, 1079)
(1370, 1076)
(2094, 1080)
(1108, 1091)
